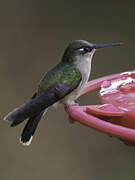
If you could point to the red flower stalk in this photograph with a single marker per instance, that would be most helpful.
(115, 115)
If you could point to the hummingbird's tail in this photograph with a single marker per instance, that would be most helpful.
(29, 110)
(30, 127)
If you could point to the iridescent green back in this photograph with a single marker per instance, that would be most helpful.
(63, 72)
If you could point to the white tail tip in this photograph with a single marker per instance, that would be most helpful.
(26, 143)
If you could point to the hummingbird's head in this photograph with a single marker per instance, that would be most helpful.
(78, 49)
(81, 50)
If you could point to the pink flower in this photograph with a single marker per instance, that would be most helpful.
(115, 115)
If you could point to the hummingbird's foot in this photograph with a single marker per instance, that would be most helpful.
(75, 103)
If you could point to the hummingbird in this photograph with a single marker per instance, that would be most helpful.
(60, 85)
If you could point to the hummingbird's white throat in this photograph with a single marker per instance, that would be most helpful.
(83, 63)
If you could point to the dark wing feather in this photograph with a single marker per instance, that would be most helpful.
(38, 104)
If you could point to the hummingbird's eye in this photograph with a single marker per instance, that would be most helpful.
(85, 50)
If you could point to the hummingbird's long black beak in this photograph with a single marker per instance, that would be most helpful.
(96, 46)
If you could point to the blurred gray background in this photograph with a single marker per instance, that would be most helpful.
(33, 36)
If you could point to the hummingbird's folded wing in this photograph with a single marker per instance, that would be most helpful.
(38, 104)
